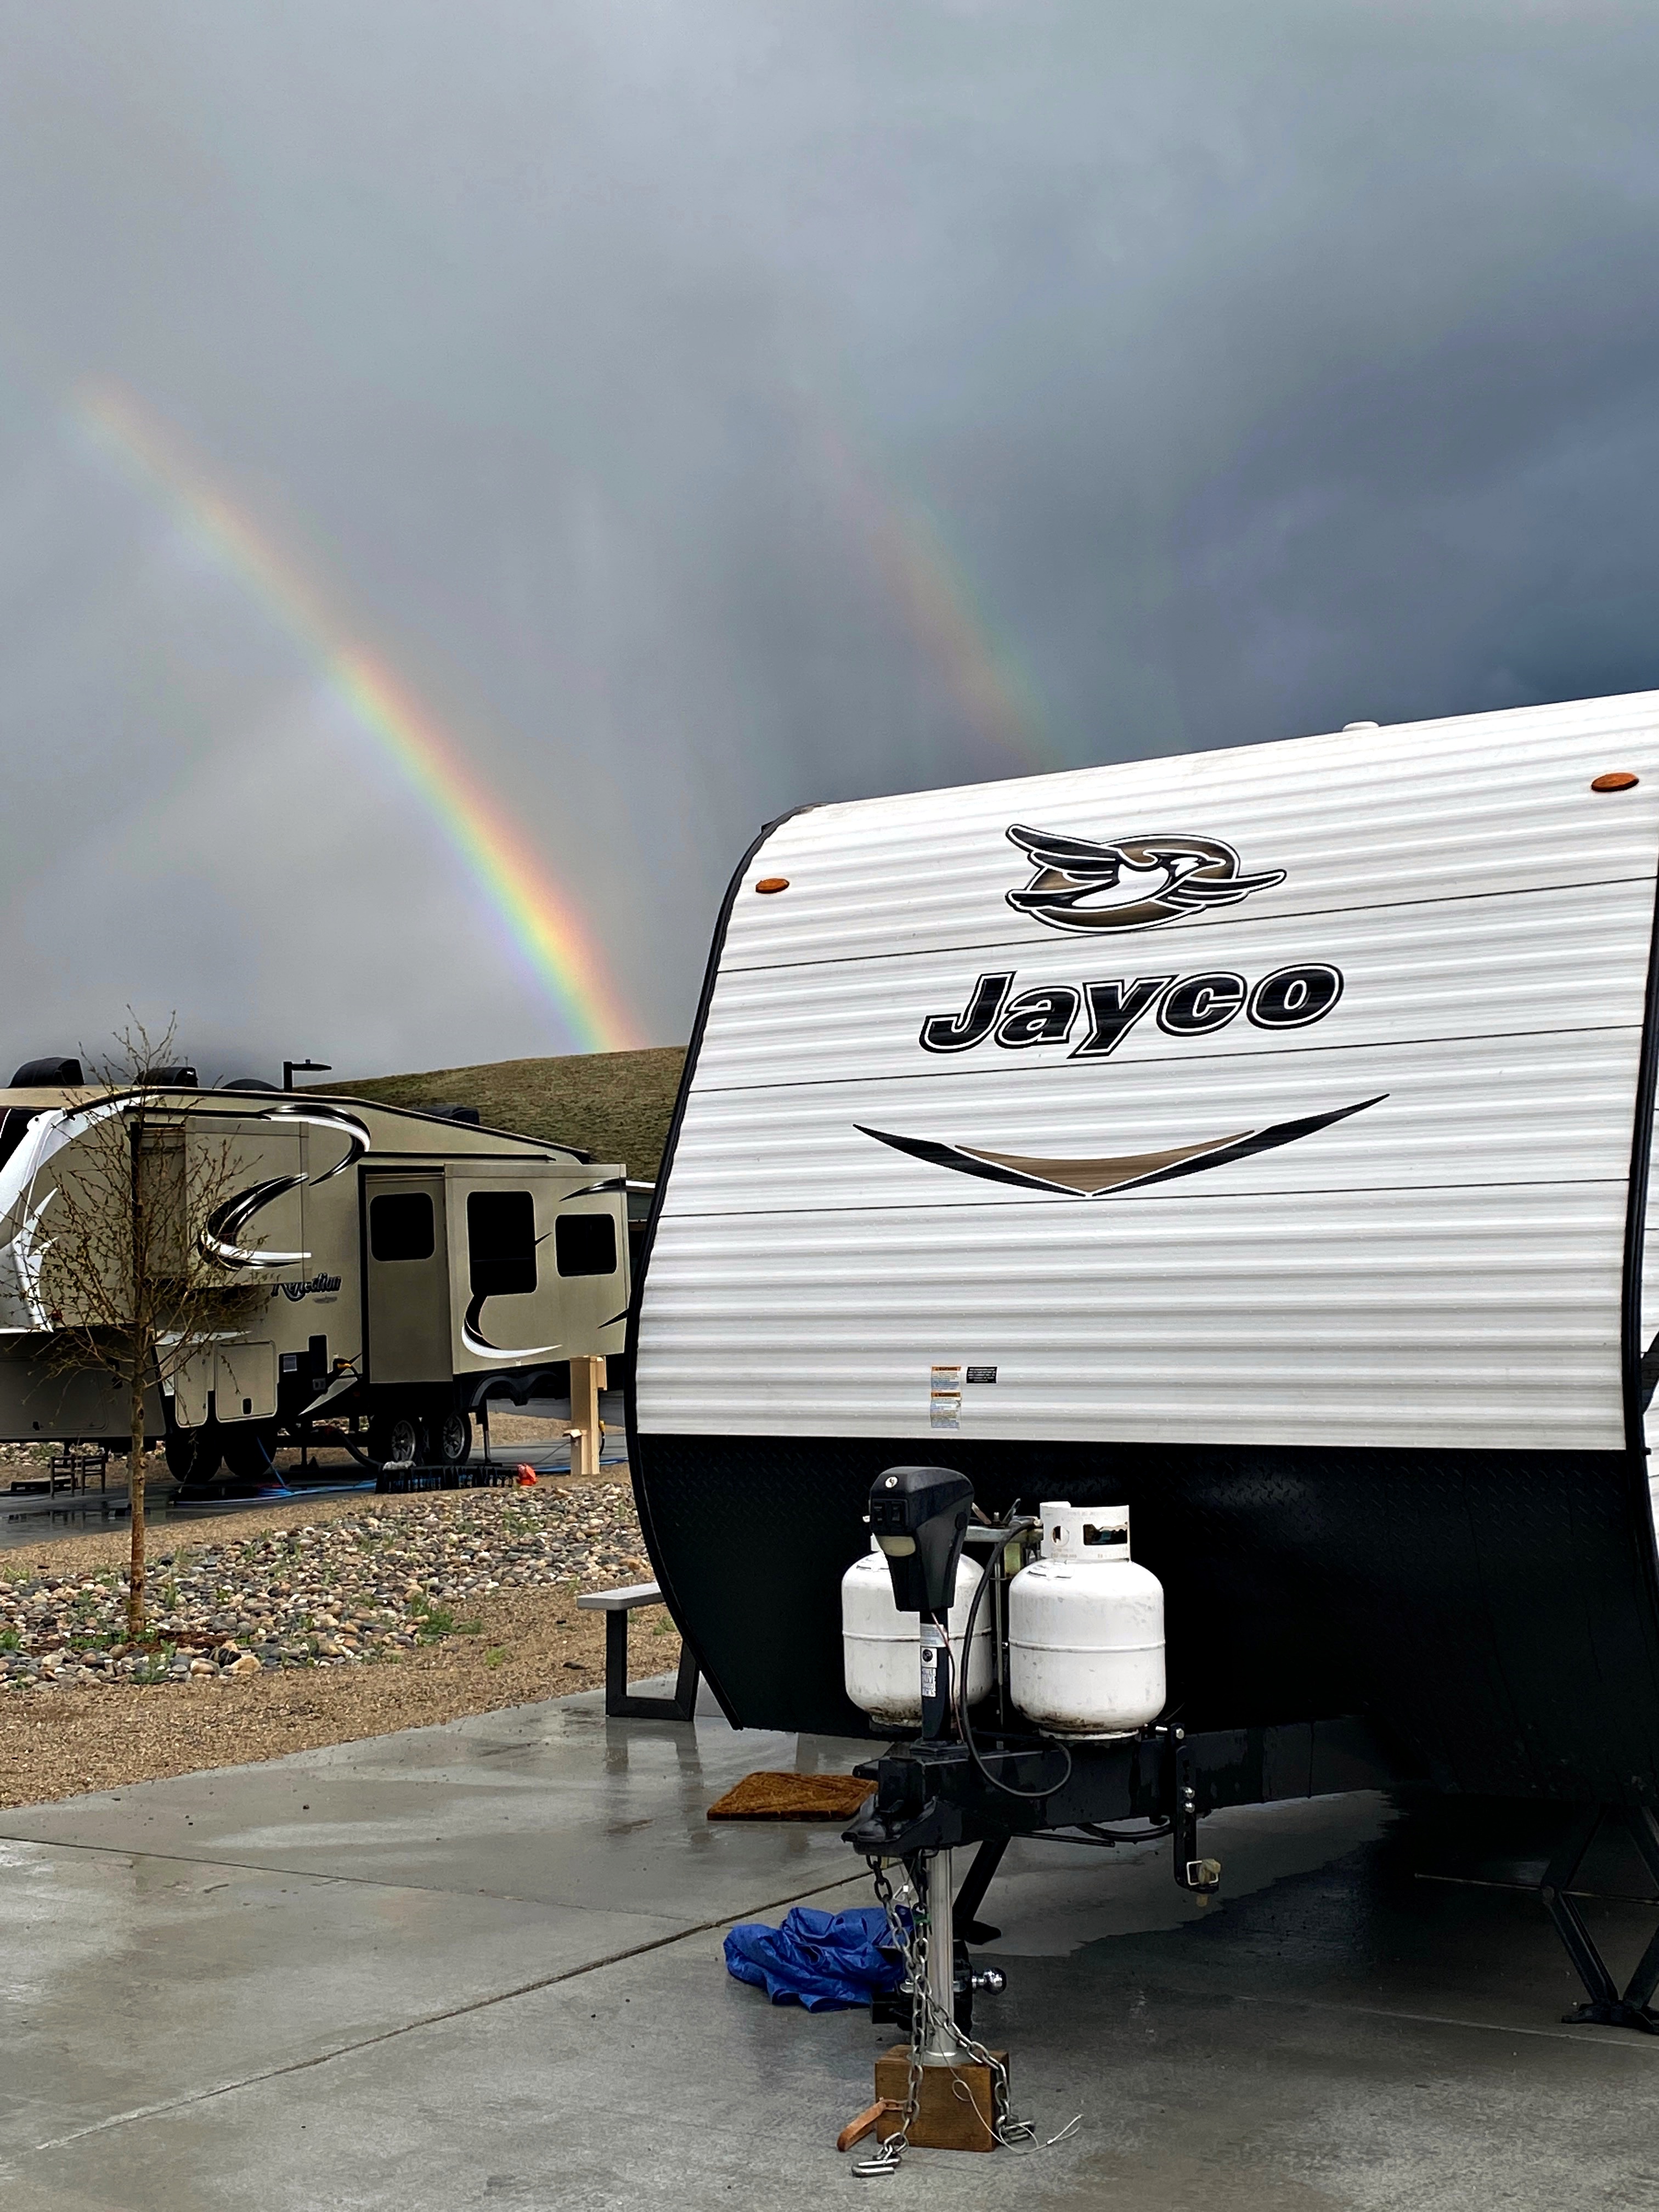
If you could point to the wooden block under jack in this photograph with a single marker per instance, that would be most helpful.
(955, 2105)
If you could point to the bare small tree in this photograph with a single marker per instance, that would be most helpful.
(126, 1277)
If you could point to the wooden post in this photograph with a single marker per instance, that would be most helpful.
(587, 1381)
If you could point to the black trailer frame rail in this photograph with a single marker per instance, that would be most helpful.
(934, 1796)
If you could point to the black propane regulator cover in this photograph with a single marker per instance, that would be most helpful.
(919, 1516)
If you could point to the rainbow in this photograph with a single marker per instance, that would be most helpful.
(929, 592)
(540, 920)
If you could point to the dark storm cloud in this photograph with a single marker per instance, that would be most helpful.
(633, 374)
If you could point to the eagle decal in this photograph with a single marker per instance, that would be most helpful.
(1084, 884)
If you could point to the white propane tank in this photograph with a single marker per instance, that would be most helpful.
(881, 1647)
(1085, 1627)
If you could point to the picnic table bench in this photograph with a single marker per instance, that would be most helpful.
(68, 1470)
(620, 1703)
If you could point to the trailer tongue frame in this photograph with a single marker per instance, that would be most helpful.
(933, 1797)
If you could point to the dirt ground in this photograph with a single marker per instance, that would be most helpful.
(531, 1645)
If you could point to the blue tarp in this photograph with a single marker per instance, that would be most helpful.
(826, 1961)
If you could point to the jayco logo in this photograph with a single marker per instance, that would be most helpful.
(1102, 1014)
(1083, 885)
(1086, 884)
(1137, 883)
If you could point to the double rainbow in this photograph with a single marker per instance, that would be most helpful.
(540, 919)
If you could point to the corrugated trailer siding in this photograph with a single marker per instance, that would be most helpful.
(1509, 964)
(1442, 1268)
(1490, 1110)
(1442, 809)
(1384, 1319)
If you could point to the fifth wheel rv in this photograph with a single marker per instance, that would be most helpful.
(407, 1266)
(1253, 1144)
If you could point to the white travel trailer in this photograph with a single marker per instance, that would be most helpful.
(407, 1266)
(1256, 1139)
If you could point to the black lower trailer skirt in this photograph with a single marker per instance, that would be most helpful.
(1495, 1616)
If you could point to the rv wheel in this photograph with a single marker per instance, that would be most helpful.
(193, 1454)
(394, 1436)
(250, 1448)
(449, 1439)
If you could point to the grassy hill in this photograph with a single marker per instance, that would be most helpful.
(616, 1105)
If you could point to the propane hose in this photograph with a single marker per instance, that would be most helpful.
(959, 1694)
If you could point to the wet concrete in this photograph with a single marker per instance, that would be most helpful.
(480, 1965)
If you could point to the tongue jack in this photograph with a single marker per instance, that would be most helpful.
(918, 1516)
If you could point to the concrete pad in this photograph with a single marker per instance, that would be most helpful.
(194, 1973)
(549, 1802)
(480, 1966)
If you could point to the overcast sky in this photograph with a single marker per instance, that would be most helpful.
(707, 407)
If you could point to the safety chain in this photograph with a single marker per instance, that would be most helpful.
(911, 1944)
(928, 2020)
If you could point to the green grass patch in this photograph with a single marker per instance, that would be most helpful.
(616, 1105)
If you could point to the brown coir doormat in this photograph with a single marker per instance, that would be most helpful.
(791, 1797)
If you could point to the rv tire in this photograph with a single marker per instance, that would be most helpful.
(250, 1448)
(447, 1439)
(395, 1437)
(194, 1455)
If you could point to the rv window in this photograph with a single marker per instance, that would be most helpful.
(400, 1225)
(586, 1244)
(501, 1238)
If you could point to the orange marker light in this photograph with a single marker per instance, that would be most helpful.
(1618, 779)
(781, 882)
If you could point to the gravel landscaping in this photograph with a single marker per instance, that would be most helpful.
(358, 1587)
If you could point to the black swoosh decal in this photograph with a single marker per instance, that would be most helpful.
(217, 1240)
(480, 1346)
(227, 1222)
(1648, 1373)
(223, 1226)
(1106, 1181)
(345, 1125)
(1263, 1140)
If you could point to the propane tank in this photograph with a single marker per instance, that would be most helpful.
(1085, 1627)
(881, 1647)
